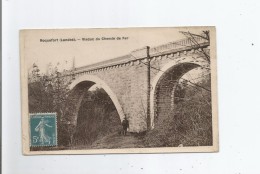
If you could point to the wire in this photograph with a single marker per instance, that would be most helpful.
(169, 73)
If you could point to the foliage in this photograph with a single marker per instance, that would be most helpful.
(190, 124)
(49, 93)
(97, 117)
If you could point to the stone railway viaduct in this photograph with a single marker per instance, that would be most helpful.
(140, 84)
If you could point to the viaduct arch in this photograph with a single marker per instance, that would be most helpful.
(164, 83)
(83, 83)
(137, 83)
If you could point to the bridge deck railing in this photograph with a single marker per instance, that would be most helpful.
(178, 44)
(142, 53)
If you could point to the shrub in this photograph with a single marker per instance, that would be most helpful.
(189, 124)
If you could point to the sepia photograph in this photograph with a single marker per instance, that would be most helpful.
(133, 87)
(119, 90)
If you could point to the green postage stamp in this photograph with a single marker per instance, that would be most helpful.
(43, 129)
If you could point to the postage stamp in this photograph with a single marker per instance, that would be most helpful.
(43, 129)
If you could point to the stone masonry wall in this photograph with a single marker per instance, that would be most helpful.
(129, 83)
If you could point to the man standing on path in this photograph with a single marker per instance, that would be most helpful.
(125, 125)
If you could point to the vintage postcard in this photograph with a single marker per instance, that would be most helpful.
(119, 90)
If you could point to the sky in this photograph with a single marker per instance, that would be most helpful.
(44, 46)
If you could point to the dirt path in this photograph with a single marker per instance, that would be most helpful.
(118, 141)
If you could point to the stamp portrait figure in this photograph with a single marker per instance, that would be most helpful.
(43, 129)
(44, 138)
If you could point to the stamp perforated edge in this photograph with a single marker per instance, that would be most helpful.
(56, 130)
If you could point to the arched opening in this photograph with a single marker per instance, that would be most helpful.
(87, 81)
(95, 112)
(164, 83)
(181, 106)
(165, 88)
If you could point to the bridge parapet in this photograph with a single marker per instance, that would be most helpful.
(183, 44)
(142, 54)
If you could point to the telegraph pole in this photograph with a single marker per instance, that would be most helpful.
(148, 87)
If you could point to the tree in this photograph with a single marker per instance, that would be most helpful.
(190, 123)
(49, 93)
(194, 41)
